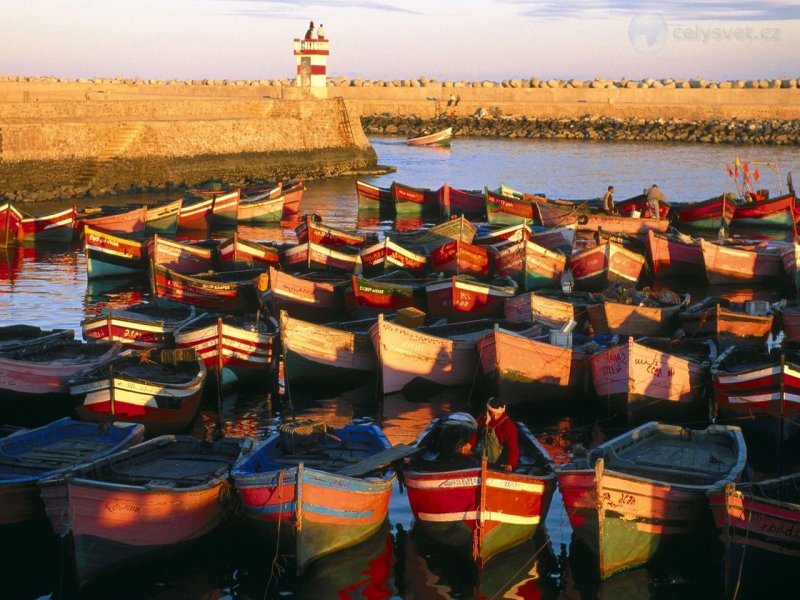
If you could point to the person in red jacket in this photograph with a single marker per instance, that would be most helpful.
(498, 434)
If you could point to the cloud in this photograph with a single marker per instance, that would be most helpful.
(301, 8)
(717, 10)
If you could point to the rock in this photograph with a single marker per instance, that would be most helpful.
(576, 83)
(725, 85)
(631, 85)
(488, 84)
(415, 83)
(424, 79)
(552, 83)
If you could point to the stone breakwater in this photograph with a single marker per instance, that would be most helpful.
(594, 127)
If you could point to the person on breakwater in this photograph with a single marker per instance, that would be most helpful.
(654, 196)
(310, 30)
(451, 100)
(498, 435)
(321, 32)
(608, 201)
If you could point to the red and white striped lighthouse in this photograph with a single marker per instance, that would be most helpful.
(312, 62)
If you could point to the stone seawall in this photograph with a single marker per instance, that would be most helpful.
(594, 127)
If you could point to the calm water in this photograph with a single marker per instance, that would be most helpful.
(48, 287)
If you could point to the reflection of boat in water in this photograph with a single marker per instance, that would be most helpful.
(431, 570)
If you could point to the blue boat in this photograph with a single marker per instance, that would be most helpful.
(31, 454)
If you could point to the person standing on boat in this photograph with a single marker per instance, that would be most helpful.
(654, 197)
(498, 434)
(608, 201)
(321, 32)
(310, 30)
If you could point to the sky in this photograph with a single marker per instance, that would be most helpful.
(472, 40)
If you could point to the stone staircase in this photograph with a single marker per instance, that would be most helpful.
(115, 146)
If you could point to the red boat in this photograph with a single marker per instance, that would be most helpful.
(618, 224)
(180, 256)
(725, 326)
(510, 233)
(652, 316)
(714, 213)
(464, 299)
(409, 199)
(553, 311)
(372, 197)
(389, 255)
(780, 212)
(10, 220)
(530, 265)
(138, 326)
(557, 213)
(453, 201)
(560, 239)
(195, 213)
(317, 233)
(639, 204)
(310, 256)
(307, 299)
(509, 210)
(674, 254)
(225, 291)
(741, 264)
(240, 253)
(109, 255)
(609, 262)
(225, 210)
(471, 506)
(460, 258)
(122, 220)
(57, 228)
(368, 297)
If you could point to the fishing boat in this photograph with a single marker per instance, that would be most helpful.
(639, 204)
(532, 266)
(532, 371)
(259, 207)
(554, 310)
(741, 264)
(139, 325)
(715, 213)
(244, 344)
(413, 200)
(456, 257)
(427, 240)
(510, 210)
(791, 258)
(789, 322)
(292, 192)
(726, 326)
(311, 229)
(312, 351)
(32, 454)
(241, 253)
(110, 255)
(389, 255)
(509, 233)
(373, 197)
(366, 298)
(648, 315)
(225, 210)
(758, 391)
(310, 256)
(559, 213)
(162, 218)
(757, 523)
(620, 224)
(642, 494)
(462, 503)
(454, 201)
(195, 213)
(130, 222)
(609, 262)
(654, 378)
(159, 388)
(442, 138)
(182, 257)
(10, 220)
(316, 490)
(674, 254)
(318, 301)
(55, 228)
(155, 496)
(463, 298)
(558, 239)
(224, 291)
(780, 212)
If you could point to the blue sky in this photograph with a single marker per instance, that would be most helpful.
(377, 39)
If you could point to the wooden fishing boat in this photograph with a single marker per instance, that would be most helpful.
(195, 213)
(643, 493)
(609, 262)
(32, 454)
(110, 255)
(440, 354)
(310, 257)
(558, 213)
(727, 327)
(618, 224)
(454, 201)
(366, 298)
(531, 371)
(240, 253)
(442, 137)
(460, 502)
(460, 258)
(728, 264)
(149, 498)
(292, 192)
(674, 255)
(388, 255)
(162, 218)
(312, 230)
(759, 392)
(225, 291)
(554, 311)
(225, 210)
(653, 378)
(413, 200)
(55, 228)
(114, 219)
(510, 210)
(497, 235)
(244, 344)
(789, 322)
(462, 298)
(790, 256)
(532, 266)
(372, 197)
(260, 208)
(10, 220)
(558, 239)
(139, 326)
(714, 214)
(652, 317)
(182, 257)
(312, 351)
(757, 523)
(427, 240)
(639, 204)
(30, 338)
(313, 300)
(334, 484)
(780, 212)
(160, 389)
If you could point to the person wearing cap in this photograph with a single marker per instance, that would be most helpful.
(499, 436)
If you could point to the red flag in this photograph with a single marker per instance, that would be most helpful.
(746, 178)
(745, 168)
(729, 170)
(756, 176)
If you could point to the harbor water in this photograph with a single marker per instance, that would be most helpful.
(48, 287)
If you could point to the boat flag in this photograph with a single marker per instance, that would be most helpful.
(756, 176)
(729, 170)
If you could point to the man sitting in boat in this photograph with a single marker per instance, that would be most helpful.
(498, 435)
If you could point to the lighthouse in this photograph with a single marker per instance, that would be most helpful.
(312, 63)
